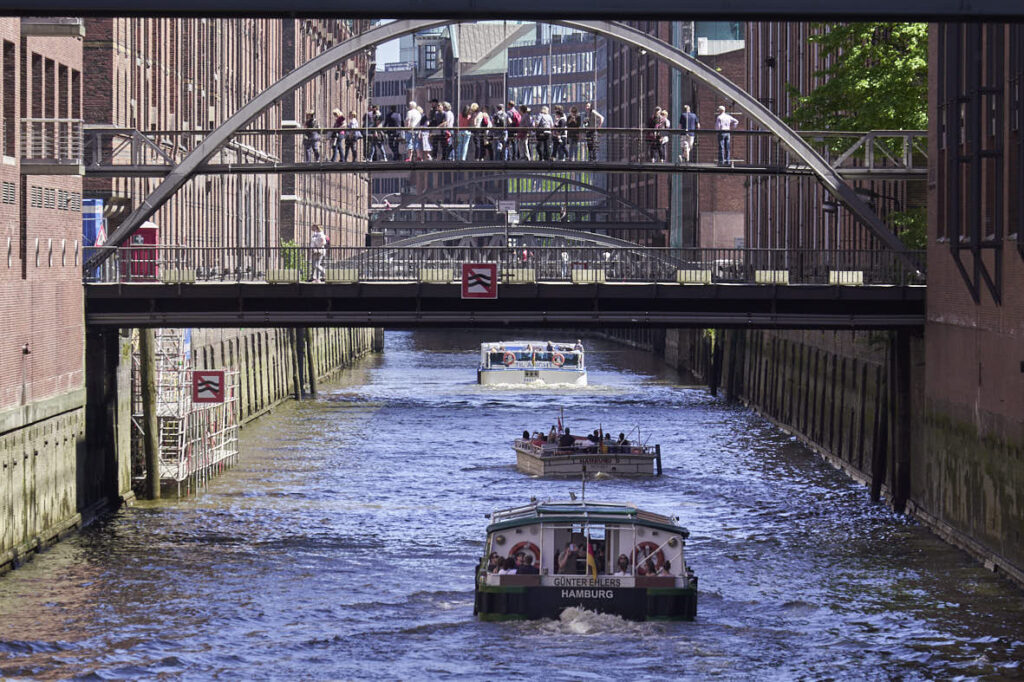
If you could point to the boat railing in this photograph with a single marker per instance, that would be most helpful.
(543, 449)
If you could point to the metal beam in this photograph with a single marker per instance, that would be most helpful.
(788, 10)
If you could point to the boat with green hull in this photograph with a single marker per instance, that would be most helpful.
(607, 557)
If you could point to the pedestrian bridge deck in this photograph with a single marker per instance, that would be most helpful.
(578, 286)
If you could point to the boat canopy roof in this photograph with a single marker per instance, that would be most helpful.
(581, 512)
(523, 345)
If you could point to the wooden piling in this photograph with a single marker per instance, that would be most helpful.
(296, 365)
(307, 334)
(151, 440)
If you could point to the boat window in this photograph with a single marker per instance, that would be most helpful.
(496, 358)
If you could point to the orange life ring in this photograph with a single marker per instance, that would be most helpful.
(557, 359)
(534, 549)
(508, 359)
(646, 550)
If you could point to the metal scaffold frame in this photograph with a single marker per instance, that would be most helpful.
(195, 440)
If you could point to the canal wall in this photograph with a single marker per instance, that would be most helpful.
(863, 403)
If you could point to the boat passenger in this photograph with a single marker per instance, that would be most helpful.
(493, 562)
(509, 567)
(526, 435)
(552, 435)
(623, 440)
(551, 347)
(666, 568)
(578, 346)
(527, 567)
(567, 559)
(623, 565)
(566, 440)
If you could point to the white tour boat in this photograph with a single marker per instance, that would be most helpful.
(568, 455)
(602, 556)
(532, 362)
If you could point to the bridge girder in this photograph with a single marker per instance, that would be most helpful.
(635, 38)
(490, 231)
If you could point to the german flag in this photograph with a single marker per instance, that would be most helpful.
(591, 562)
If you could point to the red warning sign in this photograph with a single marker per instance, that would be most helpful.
(208, 386)
(479, 280)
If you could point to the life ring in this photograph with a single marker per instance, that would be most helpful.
(557, 359)
(534, 549)
(646, 550)
(508, 359)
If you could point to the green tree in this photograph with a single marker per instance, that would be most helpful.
(877, 79)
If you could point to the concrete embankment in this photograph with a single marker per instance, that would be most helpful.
(859, 399)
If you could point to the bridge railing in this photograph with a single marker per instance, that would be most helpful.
(108, 149)
(577, 265)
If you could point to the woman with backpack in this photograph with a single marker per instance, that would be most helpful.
(336, 134)
(352, 137)
(544, 124)
(559, 152)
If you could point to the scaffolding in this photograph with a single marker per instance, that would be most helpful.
(195, 441)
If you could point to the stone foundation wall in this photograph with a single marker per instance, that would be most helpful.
(264, 359)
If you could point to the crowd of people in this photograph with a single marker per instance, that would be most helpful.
(597, 441)
(503, 132)
(572, 561)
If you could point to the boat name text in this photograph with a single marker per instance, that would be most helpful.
(587, 582)
(588, 594)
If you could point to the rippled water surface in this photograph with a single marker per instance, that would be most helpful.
(343, 546)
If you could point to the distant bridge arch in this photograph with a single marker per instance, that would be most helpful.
(408, 199)
(189, 166)
(564, 234)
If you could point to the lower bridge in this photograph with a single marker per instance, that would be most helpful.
(536, 287)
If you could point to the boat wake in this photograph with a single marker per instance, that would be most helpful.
(577, 621)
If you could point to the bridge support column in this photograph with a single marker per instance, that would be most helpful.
(715, 365)
(151, 437)
(736, 350)
(899, 403)
(104, 463)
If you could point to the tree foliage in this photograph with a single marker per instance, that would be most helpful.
(877, 79)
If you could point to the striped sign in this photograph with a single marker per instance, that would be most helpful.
(208, 386)
(479, 280)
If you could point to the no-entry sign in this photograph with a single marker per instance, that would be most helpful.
(208, 386)
(479, 280)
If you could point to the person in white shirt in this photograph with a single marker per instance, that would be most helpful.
(623, 566)
(318, 249)
(544, 124)
(412, 119)
(723, 124)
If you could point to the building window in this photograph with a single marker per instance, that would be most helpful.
(430, 57)
(36, 198)
(9, 193)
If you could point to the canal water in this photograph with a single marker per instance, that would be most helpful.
(344, 542)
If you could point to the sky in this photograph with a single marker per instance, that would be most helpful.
(388, 52)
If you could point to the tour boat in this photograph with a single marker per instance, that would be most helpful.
(575, 550)
(532, 362)
(539, 457)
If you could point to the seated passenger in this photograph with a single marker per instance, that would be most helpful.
(550, 347)
(508, 567)
(493, 562)
(623, 440)
(623, 565)
(666, 568)
(526, 435)
(528, 568)
(566, 440)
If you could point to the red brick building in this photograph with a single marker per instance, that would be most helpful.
(192, 74)
(972, 430)
(42, 397)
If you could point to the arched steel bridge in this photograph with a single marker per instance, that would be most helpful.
(212, 143)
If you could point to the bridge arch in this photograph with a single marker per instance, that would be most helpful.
(633, 37)
(465, 182)
(513, 230)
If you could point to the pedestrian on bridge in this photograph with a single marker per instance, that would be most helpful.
(394, 122)
(592, 120)
(689, 122)
(723, 124)
(317, 250)
(311, 138)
